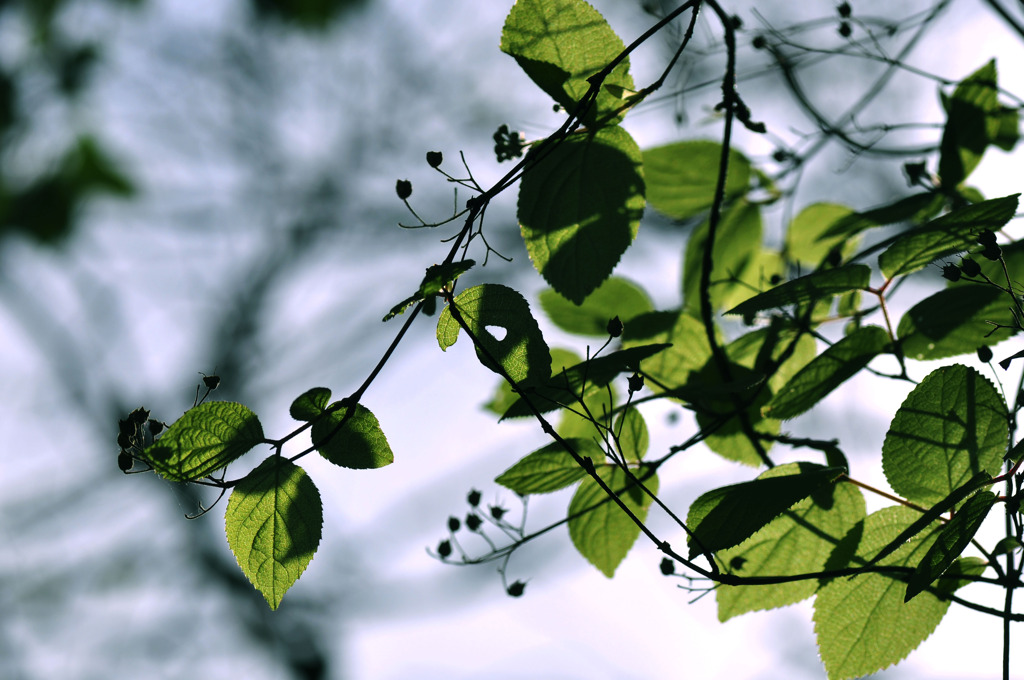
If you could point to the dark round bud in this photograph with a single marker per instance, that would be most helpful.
(403, 188)
(473, 498)
(667, 566)
(970, 267)
(497, 512)
(775, 279)
(736, 22)
(636, 382)
(992, 252)
(736, 563)
(781, 156)
(844, 29)
(454, 524)
(473, 522)
(985, 354)
(844, 10)
(211, 381)
(444, 548)
(434, 158)
(615, 327)
(748, 319)
(987, 238)
(760, 42)
(834, 258)
(125, 461)
(951, 272)
(516, 589)
(155, 427)
(915, 172)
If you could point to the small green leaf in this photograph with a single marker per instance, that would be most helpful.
(814, 286)
(598, 527)
(827, 371)
(736, 274)
(913, 208)
(522, 353)
(949, 428)
(549, 468)
(681, 177)
(807, 239)
(973, 120)
(687, 346)
(954, 321)
(438, 276)
(310, 404)
(945, 236)
(615, 297)
(580, 209)
(727, 516)
(273, 523)
(359, 444)
(952, 540)
(632, 434)
(204, 440)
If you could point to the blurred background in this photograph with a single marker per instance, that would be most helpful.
(208, 188)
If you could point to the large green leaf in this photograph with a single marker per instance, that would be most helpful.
(949, 428)
(681, 177)
(736, 273)
(204, 439)
(598, 527)
(807, 239)
(913, 208)
(549, 468)
(580, 209)
(827, 371)
(974, 118)
(862, 623)
(814, 286)
(273, 523)
(359, 444)
(954, 321)
(615, 297)
(727, 516)
(561, 43)
(522, 352)
(797, 542)
(945, 236)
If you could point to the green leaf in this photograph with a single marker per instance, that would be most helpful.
(913, 208)
(955, 321)
(273, 523)
(797, 542)
(549, 468)
(945, 236)
(681, 177)
(736, 274)
(807, 239)
(862, 623)
(580, 209)
(615, 297)
(727, 516)
(973, 120)
(949, 428)
(827, 371)
(814, 286)
(204, 440)
(310, 404)
(952, 540)
(359, 444)
(561, 43)
(522, 352)
(687, 346)
(598, 527)
(632, 434)
(438, 276)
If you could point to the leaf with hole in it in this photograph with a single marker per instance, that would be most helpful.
(861, 622)
(951, 427)
(560, 44)
(953, 538)
(358, 444)
(727, 516)
(954, 321)
(598, 527)
(549, 468)
(821, 284)
(797, 542)
(580, 209)
(273, 523)
(945, 236)
(735, 275)
(681, 177)
(973, 120)
(615, 297)
(522, 352)
(827, 371)
(205, 439)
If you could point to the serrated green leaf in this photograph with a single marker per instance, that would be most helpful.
(797, 542)
(827, 371)
(949, 428)
(598, 527)
(310, 404)
(954, 321)
(632, 434)
(580, 209)
(681, 177)
(522, 353)
(973, 120)
(205, 439)
(862, 623)
(913, 208)
(736, 274)
(807, 239)
(438, 276)
(504, 396)
(273, 523)
(814, 286)
(727, 516)
(954, 537)
(688, 349)
(561, 43)
(615, 297)
(549, 468)
(945, 236)
(359, 444)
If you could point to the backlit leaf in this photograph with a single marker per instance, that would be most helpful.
(681, 177)
(973, 120)
(955, 321)
(204, 439)
(615, 297)
(359, 444)
(549, 468)
(814, 286)
(735, 275)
